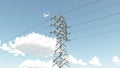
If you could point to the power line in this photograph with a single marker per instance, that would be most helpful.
(108, 6)
(91, 21)
(27, 30)
(42, 29)
(87, 36)
(97, 26)
(71, 10)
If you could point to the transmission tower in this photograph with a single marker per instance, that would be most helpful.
(60, 52)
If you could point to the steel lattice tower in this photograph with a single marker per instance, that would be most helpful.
(60, 53)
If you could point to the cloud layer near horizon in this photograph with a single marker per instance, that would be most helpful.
(95, 61)
(41, 64)
(116, 60)
(36, 64)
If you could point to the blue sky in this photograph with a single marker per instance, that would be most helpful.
(96, 38)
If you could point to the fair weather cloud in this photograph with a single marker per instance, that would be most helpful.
(46, 14)
(36, 64)
(32, 43)
(41, 64)
(11, 50)
(95, 61)
(116, 60)
(77, 61)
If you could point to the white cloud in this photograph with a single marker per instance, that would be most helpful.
(116, 60)
(95, 61)
(35, 64)
(11, 50)
(75, 61)
(49, 64)
(32, 43)
(46, 14)
(0, 42)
